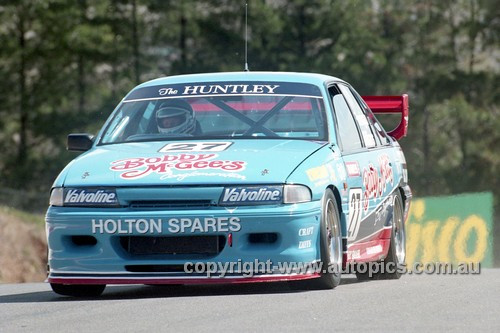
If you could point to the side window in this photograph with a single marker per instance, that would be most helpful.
(376, 126)
(348, 131)
(360, 117)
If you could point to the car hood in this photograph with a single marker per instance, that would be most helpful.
(253, 161)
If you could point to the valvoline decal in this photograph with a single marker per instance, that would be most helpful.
(252, 195)
(89, 197)
(138, 167)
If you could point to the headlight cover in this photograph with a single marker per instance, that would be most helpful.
(56, 196)
(296, 194)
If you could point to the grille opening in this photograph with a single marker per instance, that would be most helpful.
(170, 204)
(173, 245)
(155, 268)
(263, 238)
(84, 240)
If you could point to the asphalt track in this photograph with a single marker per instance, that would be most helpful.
(413, 303)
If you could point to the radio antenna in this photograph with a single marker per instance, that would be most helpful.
(246, 37)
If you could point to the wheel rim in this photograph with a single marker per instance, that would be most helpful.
(333, 236)
(399, 231)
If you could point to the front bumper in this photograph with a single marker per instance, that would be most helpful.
(105, 260)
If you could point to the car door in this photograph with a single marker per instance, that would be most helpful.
(369, 174)
(352, 147)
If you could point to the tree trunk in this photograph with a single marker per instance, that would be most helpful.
(23, 110)
(301, 32)
(81, 64)
(472, 35)
(182, 39)
(114, 57)
(135, 43)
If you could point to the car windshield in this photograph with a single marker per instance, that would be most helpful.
(248, 110)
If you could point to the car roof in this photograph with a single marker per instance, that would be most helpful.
(311, 78)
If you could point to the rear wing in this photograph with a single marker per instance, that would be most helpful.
(391, 104)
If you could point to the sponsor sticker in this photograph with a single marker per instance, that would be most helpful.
(382, 211)
(126, 226)
(306, 231)
(236, 196)
(317, 173)
(374, 249)
(305, 244)
(321, 175)
(174, 225)
(331, 171)
(375, 181)
(354, 254)
(184, 175)
(226, 88)
(90, 197)
(353, 169)
(204, 225)
(217, 89)
(138, 167)
(341, 171)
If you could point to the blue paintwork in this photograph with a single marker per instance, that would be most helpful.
(318, 165)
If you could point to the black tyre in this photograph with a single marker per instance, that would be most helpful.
(363, 275)
(78, 290)
(331, 247)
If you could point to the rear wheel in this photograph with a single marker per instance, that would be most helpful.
(78, 290)
(397, 249)
(330, 245)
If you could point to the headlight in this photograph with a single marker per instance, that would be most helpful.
(296, 194)
(56, 196)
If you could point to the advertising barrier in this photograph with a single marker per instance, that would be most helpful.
(451, 229)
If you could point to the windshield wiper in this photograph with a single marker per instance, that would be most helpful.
(156, 136)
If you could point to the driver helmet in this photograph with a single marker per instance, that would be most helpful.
(175, 117)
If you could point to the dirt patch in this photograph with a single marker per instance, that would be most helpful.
(23, 250)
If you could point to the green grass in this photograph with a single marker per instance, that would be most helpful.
(37, 219)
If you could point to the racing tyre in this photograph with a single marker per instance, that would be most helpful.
(363, 275)
(397, 249)
(78, 290)
(330, 245)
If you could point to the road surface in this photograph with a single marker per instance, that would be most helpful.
(413, 303)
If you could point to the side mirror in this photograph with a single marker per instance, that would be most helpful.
(80, 141)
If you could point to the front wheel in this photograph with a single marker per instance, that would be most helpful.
(330, 246)
(78, 290)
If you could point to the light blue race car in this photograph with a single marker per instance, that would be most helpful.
(231, 178)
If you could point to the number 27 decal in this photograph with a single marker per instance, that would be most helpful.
(355, 198)
(195, 146)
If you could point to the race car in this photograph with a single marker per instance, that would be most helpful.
(231, 168)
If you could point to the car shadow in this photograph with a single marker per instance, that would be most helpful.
(118, 292)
